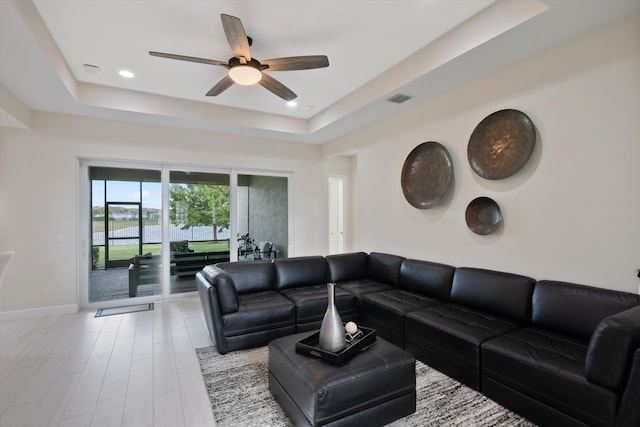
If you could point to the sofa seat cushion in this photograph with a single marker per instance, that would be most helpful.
(550, 368)
(465, 328)
(311, 303)
(364, 286)
(385, 311)
(396, 301)
(451, 336)
(257, 312)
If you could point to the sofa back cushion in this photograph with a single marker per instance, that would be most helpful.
(427, 278)
(496, 292)
(300, 271)
(576, 310)
(248, 277)
(384, 268)
(347, 267)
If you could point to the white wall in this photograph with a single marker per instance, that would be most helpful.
(570, 214)
(38, 191)
(573, 212)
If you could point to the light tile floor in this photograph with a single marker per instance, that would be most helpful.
(137, 369)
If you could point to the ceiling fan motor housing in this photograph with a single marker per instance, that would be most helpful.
(234, 62)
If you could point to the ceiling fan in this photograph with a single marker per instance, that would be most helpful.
(245, 70)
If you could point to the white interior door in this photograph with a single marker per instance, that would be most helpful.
(336, 215)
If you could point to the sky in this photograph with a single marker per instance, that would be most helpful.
(126, 191)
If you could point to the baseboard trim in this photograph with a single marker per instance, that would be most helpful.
(30, 313)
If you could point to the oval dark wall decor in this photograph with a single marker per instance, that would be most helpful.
(427, 175)
(483, 216)
(501, 144)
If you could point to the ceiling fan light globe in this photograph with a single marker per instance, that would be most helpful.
(245, 75)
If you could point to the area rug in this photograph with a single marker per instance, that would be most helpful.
(238, 388)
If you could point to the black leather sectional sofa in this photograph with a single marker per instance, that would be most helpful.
(558, 353)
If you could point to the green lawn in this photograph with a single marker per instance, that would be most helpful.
(129, 251)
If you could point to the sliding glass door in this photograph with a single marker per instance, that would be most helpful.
(199, 225)
(125, 239)
(151, 227)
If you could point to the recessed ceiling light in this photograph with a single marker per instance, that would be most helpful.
(292, 104)
(126, 74)
(308, 107)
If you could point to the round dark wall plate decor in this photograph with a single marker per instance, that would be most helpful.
(501, 144)
(483, 216)
(427, 175)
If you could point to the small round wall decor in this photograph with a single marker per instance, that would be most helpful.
(427, 175)
(501, 144)
(483, 216)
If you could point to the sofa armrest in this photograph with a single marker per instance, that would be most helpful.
(211, 310)
(629, 411)
(225, 288)
(611, 349)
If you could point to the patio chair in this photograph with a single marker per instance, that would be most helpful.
(145, 270)
(264, 251)
(180, 246)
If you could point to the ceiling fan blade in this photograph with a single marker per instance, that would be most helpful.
(236, 36)
(277, 88)
(220, 87)
(296, 63)
(189, 58)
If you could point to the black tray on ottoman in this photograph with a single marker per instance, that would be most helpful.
(310, 347)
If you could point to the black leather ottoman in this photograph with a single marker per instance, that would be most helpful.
(374, 388)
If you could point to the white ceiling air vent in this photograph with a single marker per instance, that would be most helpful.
(399, 98)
